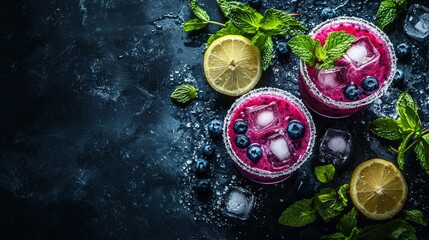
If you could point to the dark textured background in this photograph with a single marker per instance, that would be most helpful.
(91, 147)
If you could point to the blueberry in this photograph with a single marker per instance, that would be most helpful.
(202, 166)
(203, 186)
(370, 84)
(295, 129)
(240, 126)
(254, 153)
(242, 141)
(208, 151)
(215, 127)
(403, 51)
(254, 3)
(352, 92)
(328, 13)
(283, 50)
(398, 79)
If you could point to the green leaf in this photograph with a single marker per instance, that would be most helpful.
(348, 222)
(387, 128)
(327, 64)
(259, 40)
(298, 214)
(279, 22)
(227, 6)
(386, 13)
(343, 191)
(325, 173)
(402, 148)
(329, 204)
(335, 236)
(303, 47)
(414, 216)
(229, 29)
(407, 111)
(320, 52)
(395, 229)
(194, 24)
(267, 53)
(199, 12)
(246, 19)
(400, 4)
(422, 152)
(184, 93)
(337, 44)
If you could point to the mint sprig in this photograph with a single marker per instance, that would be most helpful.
(184, 93)
(408, 128)
(246, 21)
(328, 203)
(311, 51)
(325, 173)
(389, 11)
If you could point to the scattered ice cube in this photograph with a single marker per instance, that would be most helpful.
(331, 78)
(335, 147)
(361, 53)
(416, 23)
(239, 203)
(263, 117)
(280, 151)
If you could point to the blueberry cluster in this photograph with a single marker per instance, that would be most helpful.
(369, 84)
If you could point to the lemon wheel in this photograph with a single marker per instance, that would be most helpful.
(232, 65)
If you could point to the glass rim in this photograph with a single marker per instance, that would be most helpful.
(289, 97)
(375, 95)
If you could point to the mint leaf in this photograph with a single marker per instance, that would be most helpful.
(267, 53)
(387, 128)
(246, 19)
(395, 229)
(303, 47)
(343, 191)
(407, 111)
(259, 40)
(327, 64)
(194, 24)
(329, 203)
(422, 152)
(279, 22)
(227, 6)
(402, 148)
(348, 222)
(199, 12)
(335, 236)
(386, 13)
(320, 52)
(229, 29)
(400, 4)
(337, 44)
(184, 93)
(414, 216)
(325, 173)
(298, 214)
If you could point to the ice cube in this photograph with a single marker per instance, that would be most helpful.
(331, 78)
(280, 151)
(239, 203)
(416, 23)
(263, 117)
(335, 147)
(361, 53)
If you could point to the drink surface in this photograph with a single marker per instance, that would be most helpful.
(267, 117)
(367, 56)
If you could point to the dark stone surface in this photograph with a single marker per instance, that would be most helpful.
(91, 147)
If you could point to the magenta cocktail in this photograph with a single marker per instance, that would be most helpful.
(269, 134)
(371, 57)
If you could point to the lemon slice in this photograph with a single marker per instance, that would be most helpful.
(232, 65)
(378, 189)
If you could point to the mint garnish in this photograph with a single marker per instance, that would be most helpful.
(184, 93)
(328, 203)
(408, 127)
(389, 11)
(346, 227)
(311, 51)
(246, 21)
(325, 173)
(414, 216)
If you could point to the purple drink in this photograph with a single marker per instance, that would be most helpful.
(370, 55)
(276, 123)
